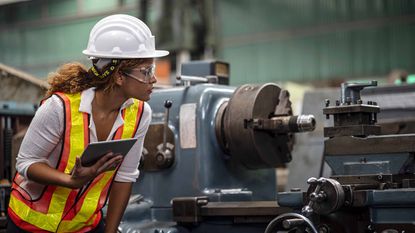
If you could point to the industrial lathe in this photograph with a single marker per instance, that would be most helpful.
(211, 152)
(210, 155)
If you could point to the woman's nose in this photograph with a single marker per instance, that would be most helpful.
(153, 79)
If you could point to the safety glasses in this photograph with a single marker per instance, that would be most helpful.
(143, 74)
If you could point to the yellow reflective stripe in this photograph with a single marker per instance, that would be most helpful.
(77, 132)
(130, 119)
(60, 196)
(88, 207)
(34, 217)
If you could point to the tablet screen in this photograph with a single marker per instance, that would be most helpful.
(96, 150)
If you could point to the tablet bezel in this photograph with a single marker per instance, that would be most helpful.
(96, 150)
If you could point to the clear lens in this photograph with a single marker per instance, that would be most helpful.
(145, 74)
(149, 72)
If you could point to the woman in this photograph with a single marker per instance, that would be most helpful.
(52, 191)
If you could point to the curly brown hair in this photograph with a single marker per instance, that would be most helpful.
(74, 77)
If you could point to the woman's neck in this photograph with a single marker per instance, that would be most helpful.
(108, 101)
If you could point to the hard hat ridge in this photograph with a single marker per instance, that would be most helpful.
(122, 36)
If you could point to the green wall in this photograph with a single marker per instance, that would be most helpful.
(45, 34)
(267, 40)
(307, 40)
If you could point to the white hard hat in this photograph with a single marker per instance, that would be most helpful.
(122, 36)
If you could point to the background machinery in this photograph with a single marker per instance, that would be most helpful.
(371, 188)
(14, 120)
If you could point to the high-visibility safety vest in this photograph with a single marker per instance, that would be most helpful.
(60, 209)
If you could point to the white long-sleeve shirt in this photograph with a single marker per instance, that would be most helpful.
(44, 138)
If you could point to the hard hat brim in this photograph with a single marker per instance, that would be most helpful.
(152, 54)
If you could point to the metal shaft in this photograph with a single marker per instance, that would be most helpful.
(284, 124)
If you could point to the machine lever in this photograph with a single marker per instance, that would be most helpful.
(350, 92)
(164, 155)
(167, 105)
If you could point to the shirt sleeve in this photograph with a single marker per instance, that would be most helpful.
(43, 135)
(128, 171)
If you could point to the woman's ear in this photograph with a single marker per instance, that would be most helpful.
(119, 78)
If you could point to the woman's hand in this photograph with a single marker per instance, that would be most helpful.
(42, 173)
(82, 175)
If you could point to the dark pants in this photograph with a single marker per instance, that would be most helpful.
(12, 228)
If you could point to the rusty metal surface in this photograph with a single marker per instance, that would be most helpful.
(255, 148)
(350, 109)
(401, 127)
(154, 137)
(251, 208)
(197, 209)
(355, 118)
(370, 145)
(355, 130)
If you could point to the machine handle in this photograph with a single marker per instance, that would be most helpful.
(350, 92)
(187, 80)
(167, 105)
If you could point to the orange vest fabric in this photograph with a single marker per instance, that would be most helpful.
(60, 209)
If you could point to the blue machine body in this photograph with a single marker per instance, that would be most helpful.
(199, 169)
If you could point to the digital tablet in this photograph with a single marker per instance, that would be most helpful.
(96, 150)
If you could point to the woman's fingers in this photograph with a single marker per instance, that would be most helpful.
(111, 163)
(81, 175)
(103, 159)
